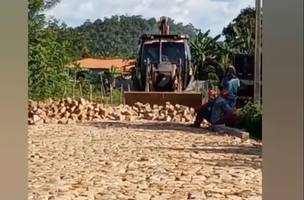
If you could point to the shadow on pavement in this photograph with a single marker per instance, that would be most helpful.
(230, 149)
(169, 126)
(234, 161)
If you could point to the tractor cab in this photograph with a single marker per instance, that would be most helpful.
(167, 56)
(163, 70)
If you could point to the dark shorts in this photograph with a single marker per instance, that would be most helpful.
(205, 114)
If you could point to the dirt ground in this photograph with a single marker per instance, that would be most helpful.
(140, 161)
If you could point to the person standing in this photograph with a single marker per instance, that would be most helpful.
(231, 83)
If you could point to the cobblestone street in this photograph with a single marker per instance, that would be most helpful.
(140, 161)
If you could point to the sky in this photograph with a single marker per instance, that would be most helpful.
(203, 14)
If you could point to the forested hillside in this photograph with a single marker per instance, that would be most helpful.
(116, 36)
(121, 34)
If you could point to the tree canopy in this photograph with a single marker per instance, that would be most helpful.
(47, 75)
(240, 33)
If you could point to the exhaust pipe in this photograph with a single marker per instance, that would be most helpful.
(164, 26)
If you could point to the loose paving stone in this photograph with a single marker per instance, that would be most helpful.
(148, 160)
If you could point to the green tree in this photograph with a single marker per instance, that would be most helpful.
(240, 33)
(74, 41)
(212, 57)
(224, 53)
(47, 76)
(205, 55)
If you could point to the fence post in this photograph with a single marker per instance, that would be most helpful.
(64, 91)
(101, 93)
(101, 85)
(74, 85)
(91, 91)
(80, 89)
(73, 91)
(111, 93)
(121, 94)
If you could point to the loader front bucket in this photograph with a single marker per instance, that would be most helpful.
(189, 99)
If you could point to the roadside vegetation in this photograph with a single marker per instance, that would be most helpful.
(250, 119)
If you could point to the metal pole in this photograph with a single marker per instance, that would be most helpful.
(257, 69)
(147, 88)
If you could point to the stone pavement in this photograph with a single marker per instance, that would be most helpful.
(140, 161)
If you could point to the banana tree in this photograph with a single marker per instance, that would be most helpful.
(244, 42)
(240, 33)
(204, 50)
(224, 55)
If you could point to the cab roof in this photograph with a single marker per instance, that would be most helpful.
(147, 37)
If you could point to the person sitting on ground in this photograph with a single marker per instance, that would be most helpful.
(204, 112)
(231, 83)
(222, 111)
(217, 110)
